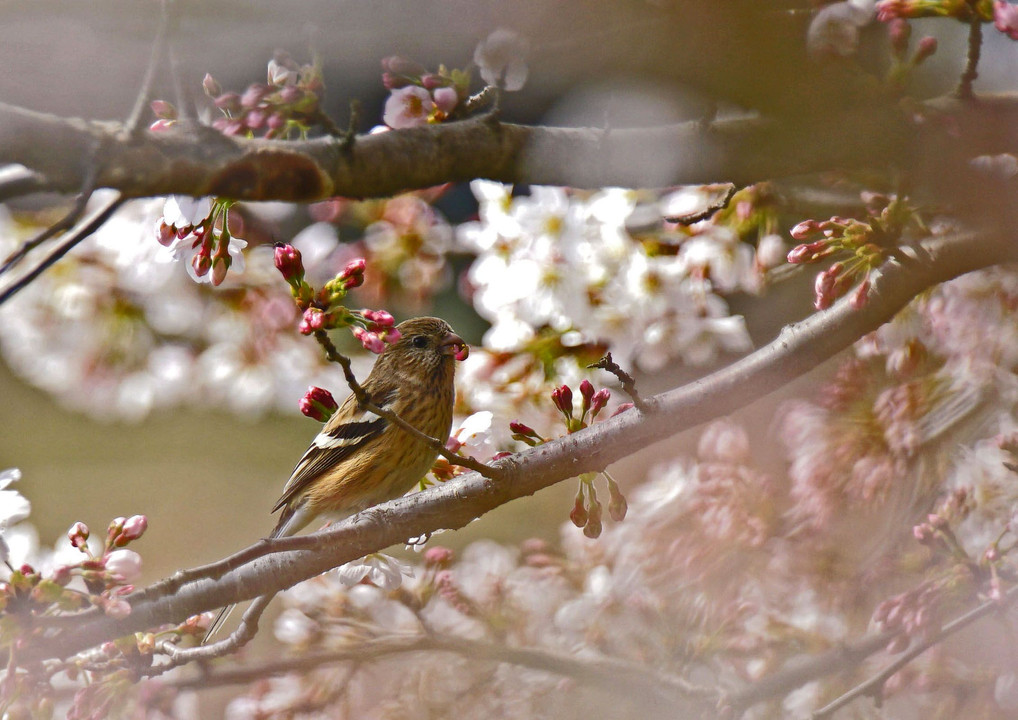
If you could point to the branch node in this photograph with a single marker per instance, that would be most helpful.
(628, 383)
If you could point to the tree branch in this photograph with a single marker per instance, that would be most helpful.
(799, 348)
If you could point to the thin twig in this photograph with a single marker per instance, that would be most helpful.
(185, 109)
(874, 685)
(707, 212)
(237, 639)
(16, 181)
(90, 225)
(133, 125)
(364, 400)
(594, 671)
(964, 89)
(65, 223)
(628, 383)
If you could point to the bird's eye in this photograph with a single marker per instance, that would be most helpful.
(419, 341)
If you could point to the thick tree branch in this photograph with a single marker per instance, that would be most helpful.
(200, 161)
(798, 349)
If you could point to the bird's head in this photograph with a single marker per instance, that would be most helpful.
(425, 344)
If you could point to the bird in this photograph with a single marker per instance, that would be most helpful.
(360, 459)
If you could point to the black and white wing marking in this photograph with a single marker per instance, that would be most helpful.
(332, 446)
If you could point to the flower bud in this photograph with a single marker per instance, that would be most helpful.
(78, 535)
(220, 267)
(438, 556)
(371, 341)
(312, 321)
(520, 428)
(598, 402)
(353, 274)
(134, 527)
(124, 563)
(593, 527)
(318, 404)
(288, 261)
(562, 397)
(446, 99)
(587, 393)
(378, 318)
(254, 94)
(230, 102)
(617, 505)
(622, 408)
(164, 110)
(803, 230)
(578, 515)
(899, 31)
(927, 46)
(391, 81)
(202, 263)
(212, 88)
(402, 66)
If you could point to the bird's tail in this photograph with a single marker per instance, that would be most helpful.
(290, 522)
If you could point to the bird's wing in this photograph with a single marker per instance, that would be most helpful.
(349, 430)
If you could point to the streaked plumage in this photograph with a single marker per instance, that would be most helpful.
(359, 459)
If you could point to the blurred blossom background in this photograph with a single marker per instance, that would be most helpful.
(132, 383)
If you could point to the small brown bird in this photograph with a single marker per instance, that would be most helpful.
(360, 459)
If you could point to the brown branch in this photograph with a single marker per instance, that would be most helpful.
(622, 676)
(964, 89)
(89, 226)
(628, 383)
(798, 349)
(364, 400)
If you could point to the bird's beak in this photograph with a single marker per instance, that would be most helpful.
(452, 344)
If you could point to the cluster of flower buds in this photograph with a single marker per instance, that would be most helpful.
(418, 96)
(587, 509)
(900, 31)
(318, 404)
(591, 404)
(867, 242)
(324, 309)
(288, 102)
(209, 238)
(917, 612)
(106, 576)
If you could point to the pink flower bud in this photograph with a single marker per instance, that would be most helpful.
(220, 267)
(599, 400)
(255, 119)
(446, 99)
(899, 32)
(391, 81)
(167, 234)
(78, 535)
(438, 556)
(391, 336)
(923, 532)
(124, 563)
(254, 94)
(164, 110)
(312, 321)
(275, 121)
(288, 261)
(230, 102)
(202, 263)
(562, 397)
(927, 46)
(371, 341)
(353, 274)
(587, 393)
(622, 408)
(318, 404)
(402, 66)
(578, 515)
(378, 318)
(211, 87)
(803, 230)
(291, 95)
(521, 429)
(617, 505)
(593, 527)
(134, 527)
(861, 295)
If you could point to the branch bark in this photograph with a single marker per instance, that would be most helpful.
(274, 565)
